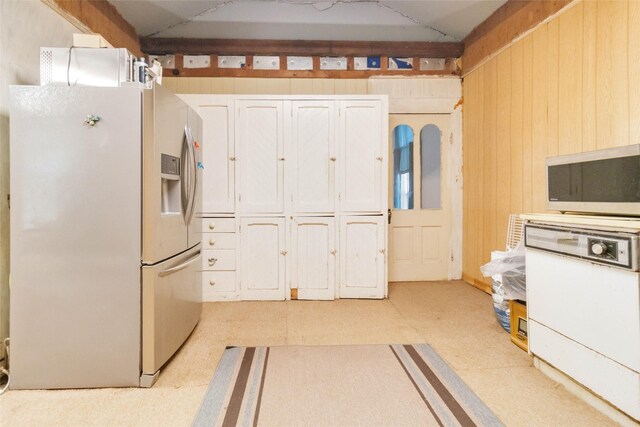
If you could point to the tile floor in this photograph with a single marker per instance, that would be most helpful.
(455, 318)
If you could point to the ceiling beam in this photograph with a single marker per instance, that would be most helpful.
(99, 16)
(509, 21)
(189, 46)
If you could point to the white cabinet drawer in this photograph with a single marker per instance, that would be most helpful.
(218, 281)
(218, 240)
(218, 259)
(218, 225)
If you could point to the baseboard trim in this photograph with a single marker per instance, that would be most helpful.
(484, 287)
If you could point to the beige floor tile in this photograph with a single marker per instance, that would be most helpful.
(102, 407)
(455, 318)
(523, 396)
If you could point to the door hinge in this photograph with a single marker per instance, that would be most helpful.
(239, 197)
(8, 201)
(240, 228)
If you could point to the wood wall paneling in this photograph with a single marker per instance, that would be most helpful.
(589, 120)
(634, 71)
(516, 135)
(620, 61)
(511, 20)
(489, 171)
(570, 81)
(503, 148)
(527, 125)
(570, 85)
(553, 69)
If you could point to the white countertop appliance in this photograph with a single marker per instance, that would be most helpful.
(104, 242)
(603, 181)
(583, 302)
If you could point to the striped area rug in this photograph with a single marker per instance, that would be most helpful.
(368, 385)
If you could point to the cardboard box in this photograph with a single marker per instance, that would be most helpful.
(518, 324)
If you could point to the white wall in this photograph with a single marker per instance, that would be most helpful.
(25, 26)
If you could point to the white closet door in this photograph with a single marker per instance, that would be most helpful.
(361, 156)
(218, 159)
(362, 257)
(260, 160)
(313, 258)
(313, 157)
(262, 258)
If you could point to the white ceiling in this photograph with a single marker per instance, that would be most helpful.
(368, 20)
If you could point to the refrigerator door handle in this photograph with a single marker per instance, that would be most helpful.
(180, 266)
(195, 178)
(193, 181)
(184, 201)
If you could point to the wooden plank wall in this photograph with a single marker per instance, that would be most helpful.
(571, 85)
(265, 86)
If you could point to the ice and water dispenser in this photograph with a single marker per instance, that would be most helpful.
(170, 174)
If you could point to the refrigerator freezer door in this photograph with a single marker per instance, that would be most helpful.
(171, 295)
(164, 232)
(75, 237)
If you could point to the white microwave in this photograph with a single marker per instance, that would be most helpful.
(603, 181)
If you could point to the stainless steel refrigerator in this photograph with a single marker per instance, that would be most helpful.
(104, 240)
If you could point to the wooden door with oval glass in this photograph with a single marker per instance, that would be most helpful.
(420, 217)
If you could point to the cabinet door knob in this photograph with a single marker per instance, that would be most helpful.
(333, 252)
(212, 225)
(333, 159)
(233, 159)
(379, 159)
(281, 159)
(382, 251)
(212, 242)
(212, 282)
(283, 253)
(212, 261)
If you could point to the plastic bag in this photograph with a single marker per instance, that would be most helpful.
(508, 269)
(500, 305)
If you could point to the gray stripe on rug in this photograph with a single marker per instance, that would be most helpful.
(253, 387)
(237, 396)
(480, 411)
(264, 373)
(215, 395)
(418, 388)
(456, 409)
(444, 414)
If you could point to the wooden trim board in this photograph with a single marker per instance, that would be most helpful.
(193, 46)
(484, 287)
(99, 16)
